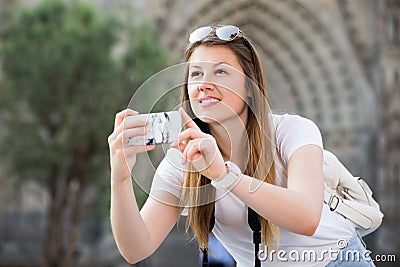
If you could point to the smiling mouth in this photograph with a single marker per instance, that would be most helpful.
(208, 100)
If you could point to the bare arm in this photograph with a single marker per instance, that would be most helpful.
(296, 208)
(137, 234)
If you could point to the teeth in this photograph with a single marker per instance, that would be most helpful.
(209, 100)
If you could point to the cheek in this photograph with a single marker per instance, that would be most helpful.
(237, 94)
(237, 101)
(236, 89)
(192, 90)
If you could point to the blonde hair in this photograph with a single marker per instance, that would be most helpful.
(197, 192)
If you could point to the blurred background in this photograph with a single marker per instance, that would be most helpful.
(66, 68)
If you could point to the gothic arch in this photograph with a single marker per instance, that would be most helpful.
(308, 71)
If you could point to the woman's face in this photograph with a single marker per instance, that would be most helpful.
(216, 85)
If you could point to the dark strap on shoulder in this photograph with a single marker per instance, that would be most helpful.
(205, 257)
(255, 225)
(203, 250)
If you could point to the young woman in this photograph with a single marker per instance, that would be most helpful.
(234, 155)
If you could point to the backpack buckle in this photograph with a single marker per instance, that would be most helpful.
(333, 202)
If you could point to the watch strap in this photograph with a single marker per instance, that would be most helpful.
(232, 176)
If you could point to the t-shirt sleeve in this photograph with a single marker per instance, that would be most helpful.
(168, 178)
(293, 132)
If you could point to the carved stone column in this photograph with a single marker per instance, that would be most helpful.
(389, 133)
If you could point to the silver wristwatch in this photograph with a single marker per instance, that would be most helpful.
(233, 175)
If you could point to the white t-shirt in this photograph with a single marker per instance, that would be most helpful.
(231, 227)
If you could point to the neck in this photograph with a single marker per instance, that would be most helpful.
(230, 137)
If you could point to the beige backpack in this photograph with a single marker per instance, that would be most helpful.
(350, 196)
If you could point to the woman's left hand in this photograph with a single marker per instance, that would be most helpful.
(201, 150)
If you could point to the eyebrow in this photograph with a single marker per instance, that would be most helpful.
(216, 64)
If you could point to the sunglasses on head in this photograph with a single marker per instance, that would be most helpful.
(225, 33)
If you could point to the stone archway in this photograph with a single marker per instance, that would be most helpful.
(310, 64)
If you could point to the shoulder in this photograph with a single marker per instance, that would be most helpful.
(169, 173)
(293, 132)
(284, 121)
(172, 162)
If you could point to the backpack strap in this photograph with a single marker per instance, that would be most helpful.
(204, 251)
(255, 225)
(337, 204)
(205, 257)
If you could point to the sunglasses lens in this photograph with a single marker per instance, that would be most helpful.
(227, 33)
(199, 34)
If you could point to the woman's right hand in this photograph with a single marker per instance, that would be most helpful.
(122, 158)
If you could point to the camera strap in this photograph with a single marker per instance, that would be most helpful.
(254, 222)
(255, 225)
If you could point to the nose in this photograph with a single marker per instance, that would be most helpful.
(205, 84)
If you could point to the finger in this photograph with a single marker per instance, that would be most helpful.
(124, 135)
(191, 149)
(131, 150)
(181, 146)
(207, 149)
(118, 145)
(128, 133)
(188, 122)
(175, 144)
(187, 135)
(122, 114)
(134, 121)
(132, 125)
(178, 145)
(195, 149)
(191, 134)
(196, 156)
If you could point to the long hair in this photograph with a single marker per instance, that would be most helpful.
(197, 192)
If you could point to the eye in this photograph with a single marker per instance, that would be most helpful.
(194, 74)
(221, 71)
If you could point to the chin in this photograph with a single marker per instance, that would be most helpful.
(207, 119)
